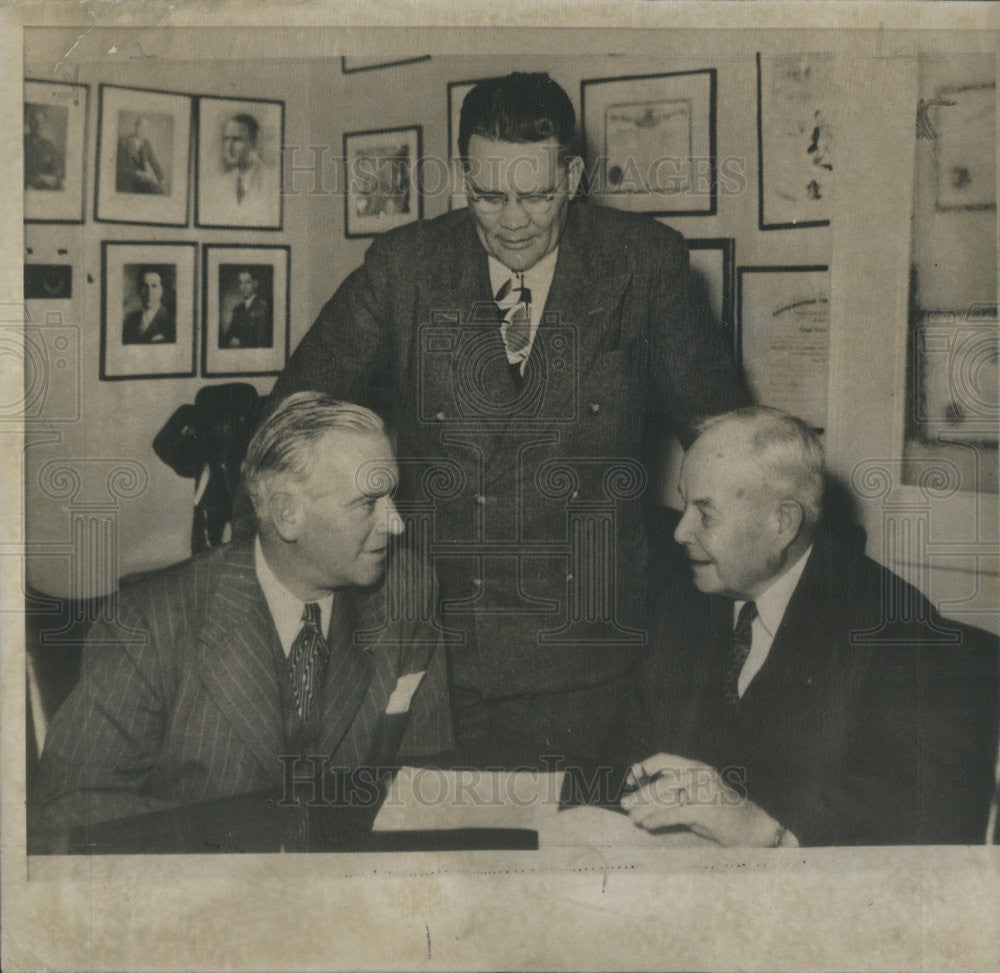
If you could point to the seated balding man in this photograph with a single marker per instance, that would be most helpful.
(289, 644)
(798, 692)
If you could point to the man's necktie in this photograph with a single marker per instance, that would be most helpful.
(739, 650)
(307, 660)
(514, 301)
(240, 190)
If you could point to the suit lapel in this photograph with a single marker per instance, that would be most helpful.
(236, 657)
(349, 671)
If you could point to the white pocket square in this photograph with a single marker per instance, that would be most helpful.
(406, 686)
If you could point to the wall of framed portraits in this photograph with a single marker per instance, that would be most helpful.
(791, 167)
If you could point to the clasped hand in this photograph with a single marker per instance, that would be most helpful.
(672, 791)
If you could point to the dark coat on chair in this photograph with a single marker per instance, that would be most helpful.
(181, 701)
(872, 721)
(533, 492)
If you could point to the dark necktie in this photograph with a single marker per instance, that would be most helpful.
(739, 650)
(307, 660)
(514, 301)
(240, 190)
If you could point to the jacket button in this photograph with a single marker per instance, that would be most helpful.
(480, 499)
(478, 582)
(595, 407)
(569, 577)
(440, 416)
(574, 494)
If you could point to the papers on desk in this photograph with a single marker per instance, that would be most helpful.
(432, 799)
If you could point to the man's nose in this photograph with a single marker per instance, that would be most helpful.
(394, 524)
(682, 532)
(513, 215)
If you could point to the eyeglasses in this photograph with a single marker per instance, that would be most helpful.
(491, 203)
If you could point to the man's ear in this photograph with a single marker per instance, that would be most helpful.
(285, 512)
(790, 517)
(575, 169)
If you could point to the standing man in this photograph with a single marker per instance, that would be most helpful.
(250, 325)
(43, 166)
(797, 692)
(137, 170)
(290, 644)
(524, 351)
(241, 162)
(150, 323)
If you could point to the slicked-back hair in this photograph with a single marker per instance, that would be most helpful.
(249, 123)
(518, 107)
(787, 450)
(283, 447)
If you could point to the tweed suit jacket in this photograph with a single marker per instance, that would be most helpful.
(621, 348)
(180, 701)
(872, 721)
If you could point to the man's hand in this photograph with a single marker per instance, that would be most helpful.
(675, 791)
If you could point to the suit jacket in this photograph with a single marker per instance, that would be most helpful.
(533, 493)
(251, 326)
(180, 701)
(162, 329)
(872, 721)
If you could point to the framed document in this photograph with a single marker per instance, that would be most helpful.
(382, 185)
(143, 150)
(147, 310)
(965, 148)
(795, 140)
(55, 142)
(650, 142)
(713, 277)
(783, 338)
(245, 314)
(239, 163)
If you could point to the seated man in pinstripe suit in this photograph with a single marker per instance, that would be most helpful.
(219, 668)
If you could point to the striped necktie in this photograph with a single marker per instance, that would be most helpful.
(514, 302)
(739, 650)
(307, 660)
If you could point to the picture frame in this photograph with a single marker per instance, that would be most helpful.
(354, 63)
(383, 186)
(965, 148)
(143, 156)
(245, 309)
(713, 277)
(457, 90)
(239, 163)
(649, 142)
(48, 282)
(55, 151)
(148, 310)
(795, 150)
(783, 339)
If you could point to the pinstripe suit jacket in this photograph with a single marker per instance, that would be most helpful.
(180, 700)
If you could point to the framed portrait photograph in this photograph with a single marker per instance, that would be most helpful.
(783, 338)
(143, 153)
(650, 142)
(245, 309)
(795, 140)
(457, 90)
(383, 190)
(55, 141)
(713, 278)
(239, 163)
(147, 310)
(353, 64)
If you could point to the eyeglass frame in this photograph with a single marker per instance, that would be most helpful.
(546, 197)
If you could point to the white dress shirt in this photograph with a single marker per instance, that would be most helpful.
(771, 607)
(286, 610)
(537, 279)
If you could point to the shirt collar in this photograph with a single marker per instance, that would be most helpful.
(536, 278)
(286, 609)
(772, 603)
